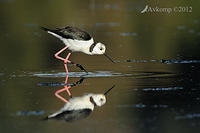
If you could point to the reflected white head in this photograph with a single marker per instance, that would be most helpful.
(99, 99)
(99, 48)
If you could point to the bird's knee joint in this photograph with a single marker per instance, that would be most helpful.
(56, 55)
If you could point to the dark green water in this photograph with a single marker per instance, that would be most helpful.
(156, 74)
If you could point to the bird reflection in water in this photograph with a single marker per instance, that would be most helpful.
(78, 108)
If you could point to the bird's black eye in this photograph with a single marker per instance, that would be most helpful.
(101, 48)
(101, 99)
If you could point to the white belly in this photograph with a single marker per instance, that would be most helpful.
(78, 45)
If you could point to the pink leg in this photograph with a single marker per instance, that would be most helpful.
(66, 79)
(63, 59)
(66, 88)
(58, 57)
(66, 60)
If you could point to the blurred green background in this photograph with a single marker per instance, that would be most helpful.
(128, 35)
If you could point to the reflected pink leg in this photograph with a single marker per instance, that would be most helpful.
(66, 88)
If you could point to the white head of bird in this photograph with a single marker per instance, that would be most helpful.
(99, 48)
(98, 99)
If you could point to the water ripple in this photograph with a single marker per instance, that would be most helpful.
(160, 89)
(29, 113)
(81, 74)
(128, 34)
(188, 116)
(141, 105)
(181, 27)
(172, 61)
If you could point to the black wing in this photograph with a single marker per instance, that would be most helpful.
(72, 115)
(70, 32)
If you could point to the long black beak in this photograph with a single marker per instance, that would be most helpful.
(108, 57)
(109, 90)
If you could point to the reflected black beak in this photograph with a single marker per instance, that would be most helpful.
(109, 90)
(108, 58)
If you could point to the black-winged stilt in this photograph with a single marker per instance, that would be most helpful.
(80, 107)
(76, 40)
